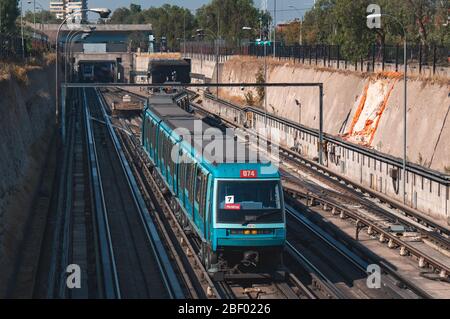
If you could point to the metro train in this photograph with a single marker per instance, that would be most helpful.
(235, 207)
(88, 73)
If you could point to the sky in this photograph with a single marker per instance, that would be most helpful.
(284, 12)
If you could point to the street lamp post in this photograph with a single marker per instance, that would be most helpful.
(70, 53)
(301, 23)
(34, 12)
(104, 13)
(184, 34)
(240, 42)
(216, 39)
(68, 44)
(274, 29)
(184, 31)
(405, 95)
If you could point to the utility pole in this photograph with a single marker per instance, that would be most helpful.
(184, 34)
(34, 17)
(21, 28)
(265, 81)
(274, 28)
(217, 53)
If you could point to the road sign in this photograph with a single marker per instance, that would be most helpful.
(268, 43)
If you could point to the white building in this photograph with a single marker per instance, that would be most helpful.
(61, 8)
(58, 8)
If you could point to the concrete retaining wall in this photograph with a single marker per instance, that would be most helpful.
(423, 194)
(428, 107)
(428, 125)
(26, 124)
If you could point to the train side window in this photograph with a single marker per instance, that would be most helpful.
(189, 181)
(203, 196)
(147, 131)
(166, 159)
(161, 148)
(199, 181)
(160, 137)
(152, 134)
(200, 192)
(182, 176)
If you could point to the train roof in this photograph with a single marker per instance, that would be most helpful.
(211, 143)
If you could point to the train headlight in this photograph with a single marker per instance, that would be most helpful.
(250, 231)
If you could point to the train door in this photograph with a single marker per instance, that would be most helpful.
(182, 181)
(201, 183)
(209, 207)
(189, 191)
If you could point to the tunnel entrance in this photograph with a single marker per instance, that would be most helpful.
(161, 71)
(97, 71)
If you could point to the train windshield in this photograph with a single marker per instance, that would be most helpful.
(249, 202)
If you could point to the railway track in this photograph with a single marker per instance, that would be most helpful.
(344, 191)
(73, 244)
(318, 285)
(344, 184)
(185, 245)
(321, 286)
(354, 259)
(103, 228)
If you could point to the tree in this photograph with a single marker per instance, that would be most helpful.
(167, 21)
(260, 79)
(226, 18)
(138, 40)
(290, 34)
(41, 17)
(8, 14)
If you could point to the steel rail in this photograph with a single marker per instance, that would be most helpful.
(326, 285)
(168, 274)
(110, 281)
(142, 163)
(310, 165)
(222, 287)
(349, 255)
(336, 209)
(227, 291)
(59, 223)
(423, 257)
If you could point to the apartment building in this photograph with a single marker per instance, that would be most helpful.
(61, 8)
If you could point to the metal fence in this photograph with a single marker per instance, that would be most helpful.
(378, 57)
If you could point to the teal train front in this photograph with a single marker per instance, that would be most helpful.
(229, 195)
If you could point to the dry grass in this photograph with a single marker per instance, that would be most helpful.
(19, 71)
(447, 169)
(238, 100)
(431, 80)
